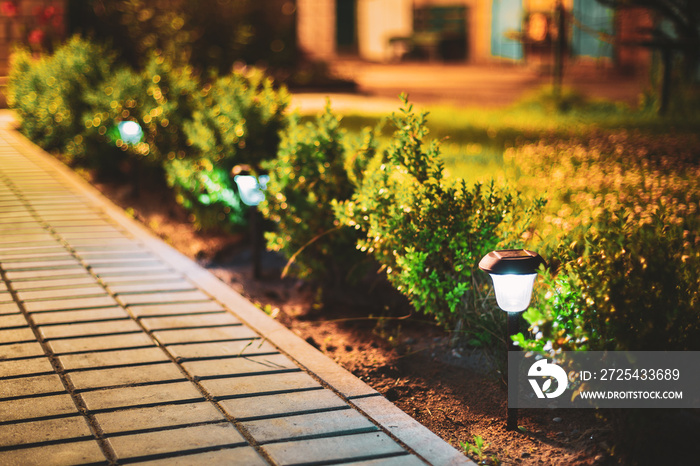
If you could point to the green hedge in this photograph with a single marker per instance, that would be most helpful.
(315, 167)
(239, 120)
(207, 192)
(624, 229)
(49, 94)
(621, 227)
(428, 232)
(73, 102)
(236, 125)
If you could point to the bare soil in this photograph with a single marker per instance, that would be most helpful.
(449, 389)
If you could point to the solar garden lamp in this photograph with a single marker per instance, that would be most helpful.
(251, 188)
(513, 272)
(251, 191)
(130, 132)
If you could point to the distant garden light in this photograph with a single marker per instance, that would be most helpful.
(251, 188)
(130, 132)
(513, 272)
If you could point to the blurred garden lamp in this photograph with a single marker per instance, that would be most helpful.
(251, 188)
(513, 272)
(130, 132)
(251, 191)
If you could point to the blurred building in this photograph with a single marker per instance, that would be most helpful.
(473, 31)
(466, 31)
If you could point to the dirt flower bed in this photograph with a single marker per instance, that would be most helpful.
(414, 364)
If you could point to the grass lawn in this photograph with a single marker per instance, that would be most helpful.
(474, 140)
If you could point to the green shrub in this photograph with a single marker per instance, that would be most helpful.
(170, 104)
(20, 82)
(624, 286)
(429, 232)
(207, 192)
(239, 120)
(160, 99)
(98, 144)
(624, 229)
(49, 94)
(74, 101)
(314, 168)
(237, 123)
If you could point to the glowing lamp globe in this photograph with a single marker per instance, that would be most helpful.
(513, 272)
(130, 132)
(251, 188)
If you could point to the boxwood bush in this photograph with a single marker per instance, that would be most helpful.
(429, 232)
(624, 229)
(73, 102)
(207, 192)
(161, 99)
(239, 120)
(49, 93)
(236, 124)
(316, 166)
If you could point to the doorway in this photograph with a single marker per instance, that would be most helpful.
(346, 26)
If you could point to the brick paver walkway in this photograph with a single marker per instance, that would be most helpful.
(116, 349)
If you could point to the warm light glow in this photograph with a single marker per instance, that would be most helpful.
(251, 188)
(513, 292)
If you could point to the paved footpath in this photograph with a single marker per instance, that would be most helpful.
(116, 349)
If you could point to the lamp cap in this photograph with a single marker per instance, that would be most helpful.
(511, 261)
